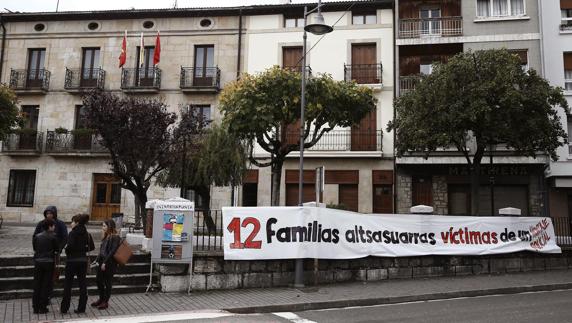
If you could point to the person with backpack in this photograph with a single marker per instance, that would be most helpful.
(46, 247)
(79, 244)
(107, 265)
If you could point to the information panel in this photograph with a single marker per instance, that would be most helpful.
(173, 231)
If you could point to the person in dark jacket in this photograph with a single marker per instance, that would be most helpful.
(46, 248)
(51, 212)
(106, 263)
(79, 244)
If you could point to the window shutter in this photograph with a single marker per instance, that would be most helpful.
(565, 4)
(568, 61)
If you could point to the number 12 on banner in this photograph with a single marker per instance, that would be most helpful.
(235, 226)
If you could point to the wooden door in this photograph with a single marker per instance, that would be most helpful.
(348, 196)
(308, 194)
(292, 58)
(364, 135)
(106, 196)
(382, 199)
(364, 67)
(422, 192)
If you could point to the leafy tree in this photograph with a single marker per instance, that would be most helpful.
(479, 99)
(140, 135)
(263, 108)
(212, 158)
(9, 115)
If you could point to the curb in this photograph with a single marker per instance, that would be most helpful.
(298, 307)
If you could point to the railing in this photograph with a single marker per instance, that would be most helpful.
(207, 231)
(299, 69)
(431, 27)
(568, 84)
(343, 140)
(200, 77)
(563, 231)
(140, 78)
(364, 73)
(566, 24)
(30, 79)
(86, 78)
(23, 142)
(73, 143)
(408, 83)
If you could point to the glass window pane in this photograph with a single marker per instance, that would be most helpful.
(100, 192)
(289, 22)
(96, 58)
(370, 19)
(483, 7)
(300, 22)
(199, 58)
(42, 58)
(115, 193)
(516, 7)
(210, 56)
(357, 20)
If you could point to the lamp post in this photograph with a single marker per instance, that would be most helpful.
(319, 27)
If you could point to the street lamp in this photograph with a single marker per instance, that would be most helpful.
(317, 28)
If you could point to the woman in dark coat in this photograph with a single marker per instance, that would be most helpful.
(79, 244)
(106, 263)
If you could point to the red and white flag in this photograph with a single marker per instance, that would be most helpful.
(157, 54)
(123, 55)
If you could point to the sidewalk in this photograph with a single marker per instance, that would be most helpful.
(290, 299)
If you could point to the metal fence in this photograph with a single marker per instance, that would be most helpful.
(23, 142)
(207, 235)
(34, 79)
(140, 78)
(431, 27)
(200, 77)
(364, 73)
(86, 78)
(73, 143)
(563, 231)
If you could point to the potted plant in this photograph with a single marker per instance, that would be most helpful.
(61, 130)
(82, 138)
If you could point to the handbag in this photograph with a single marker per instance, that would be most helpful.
(123, 253)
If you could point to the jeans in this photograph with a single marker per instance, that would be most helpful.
(104, 281)
(43, 272)
(74, 269)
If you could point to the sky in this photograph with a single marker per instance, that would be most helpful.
(88, 5)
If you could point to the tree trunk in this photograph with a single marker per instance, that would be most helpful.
(475, 185)
(276, 180)
(140, 201)
(205, 194)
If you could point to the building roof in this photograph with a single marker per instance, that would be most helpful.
(293, 9)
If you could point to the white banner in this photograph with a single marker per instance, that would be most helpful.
(310, 232)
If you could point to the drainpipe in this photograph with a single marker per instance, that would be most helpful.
(541, 39)
(395, 85)
(3, 45)
(239, 43)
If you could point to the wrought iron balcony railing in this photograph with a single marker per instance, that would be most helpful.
(566, 24)
(38, 79)
(364, 73)
(141, 78)
(343, 140)
(299, 69)
(23, 143)
(408, 83)
(87, 78)
(73, 143)
(200, 78)
(431, 27)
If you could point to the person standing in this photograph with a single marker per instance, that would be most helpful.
(61, 231)
(106, 263)
(79, 243)
(46, 248)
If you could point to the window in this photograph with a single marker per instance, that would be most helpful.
(80, 117)
(569, 119)
(500, 8)
(292, 58)
(205, 71)
(249, 194)
(202, 111)
(146, 71)
(89, 65)
(523, 56)
(364, 18)
(566, 9)
(36, 58)
(21, 188)
(430, 23)
(568, 71)
(30, 114)
(291, 22)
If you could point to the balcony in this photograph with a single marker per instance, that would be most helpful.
(566, 24)
(79, 80)
(408, 83)
(343, 140)
(298, 69)
(30, 81)
(136, 80)
(363, 73)
(74, 144)
(200, 79)
(24, 143)
(431, 27)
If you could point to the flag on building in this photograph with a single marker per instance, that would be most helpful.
(142, 52)
(157, 54)
(123, 55)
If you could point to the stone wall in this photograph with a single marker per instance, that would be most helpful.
(213, 272)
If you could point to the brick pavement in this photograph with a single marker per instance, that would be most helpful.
(348, 294)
